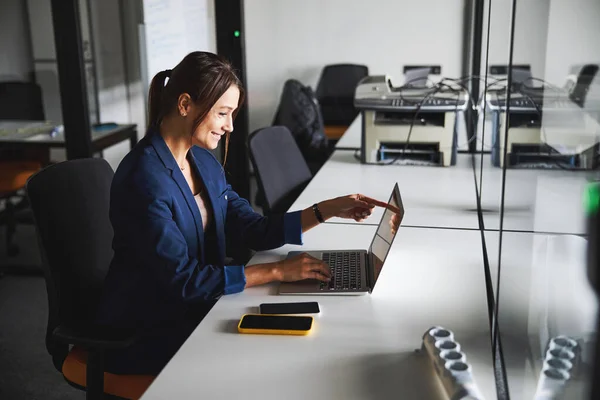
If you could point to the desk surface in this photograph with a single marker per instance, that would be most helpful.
(544, 292)
(535, 200)
(362, 347)
(432, 196)
(37, 133)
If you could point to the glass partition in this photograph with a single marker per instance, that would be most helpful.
(544, 150)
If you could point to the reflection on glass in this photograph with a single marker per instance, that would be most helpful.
(388, 227)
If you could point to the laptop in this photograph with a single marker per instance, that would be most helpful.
(354, 272)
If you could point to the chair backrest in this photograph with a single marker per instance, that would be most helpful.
(281, 170)
(70, 203)
(340, 80)
(582, 86)
(299, 111)
(335, 92)
(21, 101)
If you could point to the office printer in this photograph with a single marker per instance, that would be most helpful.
(545, 129)
(407, 122)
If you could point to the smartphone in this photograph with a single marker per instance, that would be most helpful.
(309, 307)
(275, 324)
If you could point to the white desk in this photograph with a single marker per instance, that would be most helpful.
(432, 196)
(362, 347)
(535, 200)
(544, 292)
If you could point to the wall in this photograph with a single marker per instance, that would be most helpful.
(531, 34)
(15, 60)
(287, 39)
(573, 33)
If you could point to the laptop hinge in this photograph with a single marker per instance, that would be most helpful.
(369, 268)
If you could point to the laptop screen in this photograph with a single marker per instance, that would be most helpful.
(386, 231)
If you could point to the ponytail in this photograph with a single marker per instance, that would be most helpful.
(155, 98)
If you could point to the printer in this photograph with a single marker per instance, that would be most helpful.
(545, 130)
(408, 123)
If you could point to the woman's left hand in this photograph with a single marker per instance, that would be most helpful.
(355, 206)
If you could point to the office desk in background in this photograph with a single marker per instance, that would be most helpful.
(362, 347)
(25, 135)
(432, 196)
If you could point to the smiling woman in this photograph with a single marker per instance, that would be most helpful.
(172, 210)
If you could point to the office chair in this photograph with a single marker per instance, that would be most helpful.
(335, 92)
(282, 172)
(18, 101)
(21, 101)
(579, 92)
(299, 111)
(70, 203)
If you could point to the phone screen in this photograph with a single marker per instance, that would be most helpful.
(276, 322)
(311, 307)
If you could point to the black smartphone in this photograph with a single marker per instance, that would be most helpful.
(309, 307)
(275, 324)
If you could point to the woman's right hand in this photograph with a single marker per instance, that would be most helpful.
(304, 266)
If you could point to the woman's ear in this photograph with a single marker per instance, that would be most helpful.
(184, 104)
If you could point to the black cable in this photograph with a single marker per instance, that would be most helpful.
(435, 90)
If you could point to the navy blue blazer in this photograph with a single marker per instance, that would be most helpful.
(160, 271)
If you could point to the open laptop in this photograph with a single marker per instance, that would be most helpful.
(354, 272)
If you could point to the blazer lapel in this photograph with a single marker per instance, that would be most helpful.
(211, 186)
(169, 161)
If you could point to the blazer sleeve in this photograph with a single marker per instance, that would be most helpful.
(145, 217)
(248, 228)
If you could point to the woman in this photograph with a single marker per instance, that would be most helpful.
(171, 210)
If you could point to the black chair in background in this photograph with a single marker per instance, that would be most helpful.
(18, 101)
(70, 203)
(582, 86)
(281, 171)
(335, 92)
(21, 101)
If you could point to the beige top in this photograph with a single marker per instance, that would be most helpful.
(204, 207)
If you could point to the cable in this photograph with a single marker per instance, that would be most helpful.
(435, 90)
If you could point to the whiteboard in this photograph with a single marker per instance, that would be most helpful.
(174, 28)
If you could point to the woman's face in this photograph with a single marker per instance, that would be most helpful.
(218, 121)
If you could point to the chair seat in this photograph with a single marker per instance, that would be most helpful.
(125, 386)
(14, 174)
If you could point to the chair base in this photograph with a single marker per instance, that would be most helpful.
(119, 386)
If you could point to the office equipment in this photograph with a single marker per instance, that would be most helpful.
(545, 129)
(415, 123)
(416, 77)
(275, 324)
(308, 307)
(70, 202)
(450, 364)
(355, 271)
(335, 92)
(281, 171)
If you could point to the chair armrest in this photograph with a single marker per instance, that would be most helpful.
(94, 338)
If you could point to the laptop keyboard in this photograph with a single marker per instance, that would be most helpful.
(345, 271)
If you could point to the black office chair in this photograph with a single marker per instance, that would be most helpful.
(282, 172)
(582, 86)
(70, 203)
(21, 101)
(335, 92)
(299, 112)
(18, 101)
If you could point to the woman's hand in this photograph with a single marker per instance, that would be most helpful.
(354, 206)
(303, 266)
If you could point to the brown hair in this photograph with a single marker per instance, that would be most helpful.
(204, 76)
